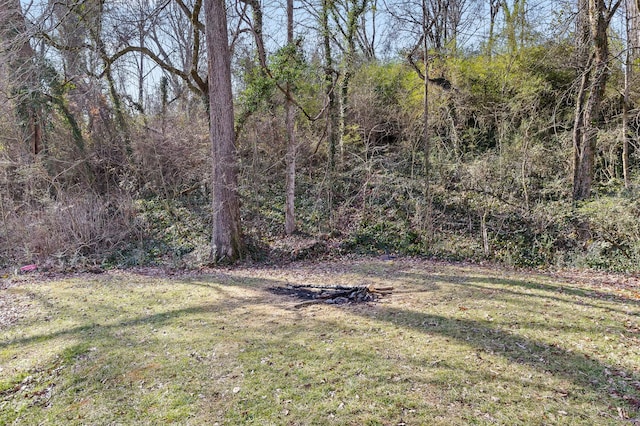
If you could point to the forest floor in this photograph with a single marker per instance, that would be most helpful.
(455, 344)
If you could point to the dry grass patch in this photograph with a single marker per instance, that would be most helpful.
(453, 345)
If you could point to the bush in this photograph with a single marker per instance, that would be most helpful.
(71, 230)
(613, 230)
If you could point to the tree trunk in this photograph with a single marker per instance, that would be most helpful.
(632, 22)
(426, 141)
(330, 92)
(19, 57)
(72, 33)
(591, 93)
(494, 8)
(515, 21)
(358, 7)
(625, 105)
(290, 157)
(633, 16)
(257, 29)
(226, 241)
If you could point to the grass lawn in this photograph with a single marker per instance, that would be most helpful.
(454, 345)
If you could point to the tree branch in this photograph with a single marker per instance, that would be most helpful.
(192, 15)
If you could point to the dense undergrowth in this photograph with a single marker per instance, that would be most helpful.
(387, 216)
(497, 186)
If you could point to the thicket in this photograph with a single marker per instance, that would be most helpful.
(114, 193)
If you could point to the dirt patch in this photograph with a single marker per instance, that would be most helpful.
(13, 305)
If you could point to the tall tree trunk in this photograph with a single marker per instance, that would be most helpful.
(226, 240)
(332, 112)
(19, 57)
(494, 8)
(72, 33)
(257, 28)
(290, 157)
(357, 9)
(632, 22)
(625, 99)
(426, 141)
(625, 132)
(522, 22)
(514, 24)
(633, 34)
(591, 93)
(141, 59)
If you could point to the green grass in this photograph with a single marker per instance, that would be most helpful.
(454, 345)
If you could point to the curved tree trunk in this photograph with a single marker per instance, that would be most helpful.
(226, 241)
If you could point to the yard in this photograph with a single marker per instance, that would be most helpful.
(454, 344)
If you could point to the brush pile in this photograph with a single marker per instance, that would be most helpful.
(335, 294)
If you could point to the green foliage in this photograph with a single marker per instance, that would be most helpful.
(259, 88)
(505, 90)
(525, 249)
(498, 183)
(389, 82)
(289, 65)
(614, 233)
(168, 231)
(378, 235)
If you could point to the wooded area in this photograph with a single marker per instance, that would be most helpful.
(195, 132)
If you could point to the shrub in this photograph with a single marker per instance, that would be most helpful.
(613, 231)
(71, 230)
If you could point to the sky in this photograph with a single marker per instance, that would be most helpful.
(393, 30)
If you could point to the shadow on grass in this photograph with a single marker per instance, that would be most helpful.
(581, 369)
(154, 319)
(587, 294)
(612, 383)
(227, 303)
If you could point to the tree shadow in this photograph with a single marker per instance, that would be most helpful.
(579, 368)
(104, 315)
(584, 297)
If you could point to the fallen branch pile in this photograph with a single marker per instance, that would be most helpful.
(335, 294)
